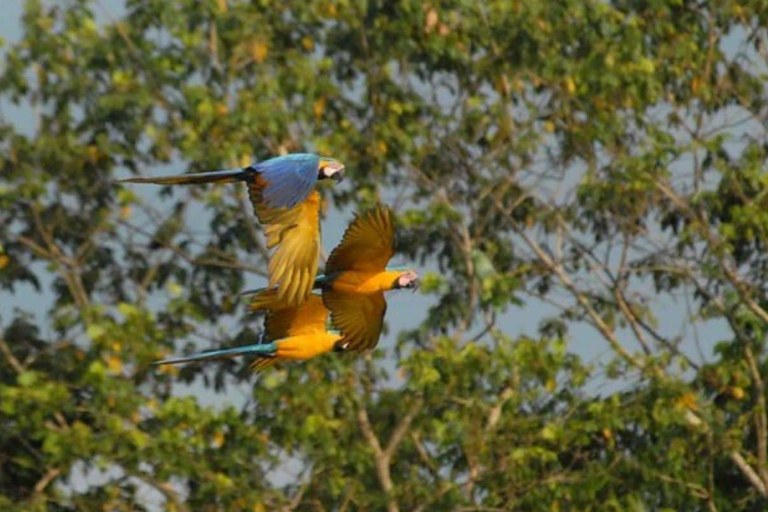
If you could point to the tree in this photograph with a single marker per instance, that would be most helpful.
(596, 166)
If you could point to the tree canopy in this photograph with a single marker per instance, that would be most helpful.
(593, 169)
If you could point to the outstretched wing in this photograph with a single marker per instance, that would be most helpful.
(307, 318)
(284, 321)
(289, 178)
(358, 317)
(367, 245)
(294, 236)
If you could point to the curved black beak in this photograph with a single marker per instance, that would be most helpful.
(416, 284)
(339, 176)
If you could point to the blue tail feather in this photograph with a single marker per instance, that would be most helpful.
(222, 176)
(263, 349)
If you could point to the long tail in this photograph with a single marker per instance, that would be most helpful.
(265, 296)
(224, 176)
(261, 349)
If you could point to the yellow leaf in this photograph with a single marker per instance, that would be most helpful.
(4, 260)
(115, 364)
(307, 43)
(570, 85)
(170, 369)
(218, 439)
(125, 212)
(550, 385)
(549, 126)
(695, 85)
(431, 21)
(319, 107)
(222, 5)
(259, 51)
(608, 436)
(395, 107)
(688, 401)
(174, 289)
(93, 154)
(737, 392)
(221, 109)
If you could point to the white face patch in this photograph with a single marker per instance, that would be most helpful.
(408, 279)
(332, 169)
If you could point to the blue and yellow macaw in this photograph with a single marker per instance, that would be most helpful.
(284, 200)
(356, 277)
(291, 333)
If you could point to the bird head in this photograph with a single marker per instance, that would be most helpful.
(407, 279)
(330, 168)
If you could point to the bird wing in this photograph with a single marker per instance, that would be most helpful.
(359, 317)
(262, 362)
(289, 178)
(367, 244)
(286, 321)
(294, 234)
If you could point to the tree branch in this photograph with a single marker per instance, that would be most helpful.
(402, 428)
(748, 472)
(383, 457)
(12, 360)
(382, 468)
(761, 426)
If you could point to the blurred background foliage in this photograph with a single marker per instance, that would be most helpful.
(581, 183)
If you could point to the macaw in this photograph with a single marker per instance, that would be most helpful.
(356, 277)
(282, 193)
(290, 333)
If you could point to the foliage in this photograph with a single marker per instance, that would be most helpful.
(595, 166)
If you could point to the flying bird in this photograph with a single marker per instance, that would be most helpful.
(282, 194)
(284, 180)
(291, 333)
(356, 278)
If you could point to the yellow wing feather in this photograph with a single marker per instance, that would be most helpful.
(308, 318)
(283, 321)
(294, 236)
(262, 362)
(359, 317)
(367, 244)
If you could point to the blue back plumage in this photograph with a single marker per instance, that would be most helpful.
(290, 178)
